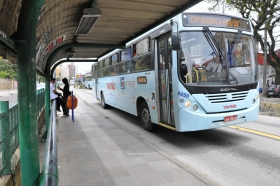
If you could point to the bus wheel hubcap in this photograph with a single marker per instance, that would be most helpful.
(146, 116)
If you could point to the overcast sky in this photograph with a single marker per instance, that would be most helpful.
(83, 67)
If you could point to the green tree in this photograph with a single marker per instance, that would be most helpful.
(7, 69)
(3, 74)
(264, 14)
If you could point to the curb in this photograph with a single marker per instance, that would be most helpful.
(270, 109)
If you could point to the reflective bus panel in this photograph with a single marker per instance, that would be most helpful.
(195, 72)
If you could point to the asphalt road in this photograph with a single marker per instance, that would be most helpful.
(224, 156)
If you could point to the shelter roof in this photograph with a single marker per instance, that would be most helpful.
(120, 21)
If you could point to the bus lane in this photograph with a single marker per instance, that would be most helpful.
(224, 156)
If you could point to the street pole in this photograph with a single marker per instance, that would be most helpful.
(264, 61)
(27, 103)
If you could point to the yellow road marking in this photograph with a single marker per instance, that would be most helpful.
(167, 126)
(256, 132)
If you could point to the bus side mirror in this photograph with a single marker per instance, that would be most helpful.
(175, 41)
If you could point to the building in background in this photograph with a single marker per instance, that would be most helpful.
(270, 71)
(72, 71)
(62, 71)
(58, 72)
(76, 70)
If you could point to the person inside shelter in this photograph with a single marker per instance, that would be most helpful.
(66, 94)
(54, 95)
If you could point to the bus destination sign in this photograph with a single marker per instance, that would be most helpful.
(215, 21)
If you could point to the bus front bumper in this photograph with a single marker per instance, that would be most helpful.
(192, 121)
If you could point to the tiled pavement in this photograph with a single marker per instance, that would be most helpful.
(94, 151)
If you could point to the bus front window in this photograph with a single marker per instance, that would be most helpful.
(220, 60)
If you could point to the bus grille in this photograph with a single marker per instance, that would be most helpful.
(227, 97)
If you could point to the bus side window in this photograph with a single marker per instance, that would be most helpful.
(147, 61)
(141, 63)
(128, 66)
(106, 71)
(136, 64)
(112, 72)
(116, 69)
(100, 73)
(122, 67)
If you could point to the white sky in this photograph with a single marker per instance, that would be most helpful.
(203, 7)
(83, 67)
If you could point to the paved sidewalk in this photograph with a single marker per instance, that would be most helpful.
(95, 151)
(5, 93)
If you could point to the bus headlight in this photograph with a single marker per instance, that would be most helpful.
(188, 104)
(253, 101)
(195, 107)
(257, 97)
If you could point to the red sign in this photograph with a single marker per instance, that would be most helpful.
(55, 42)
(111, 86)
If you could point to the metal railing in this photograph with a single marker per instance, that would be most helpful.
(9, 137)
(49, 174)
(9, 133)
(40, 100)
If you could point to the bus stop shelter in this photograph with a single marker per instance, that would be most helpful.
(36, 34)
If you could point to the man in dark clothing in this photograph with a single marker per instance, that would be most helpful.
(66, 93)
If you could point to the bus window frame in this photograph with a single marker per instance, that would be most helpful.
(134, 46)
(117, 58)
(130, 54)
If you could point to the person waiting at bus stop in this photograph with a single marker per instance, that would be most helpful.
(54, 95)
(66, 93)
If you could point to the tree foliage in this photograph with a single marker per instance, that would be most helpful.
(264, 14)
(7, 69)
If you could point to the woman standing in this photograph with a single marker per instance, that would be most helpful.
(66, 93)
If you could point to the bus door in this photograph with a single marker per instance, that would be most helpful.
(94, 80)
(165, 80)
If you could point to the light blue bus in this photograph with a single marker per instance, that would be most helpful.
(88, 81)
(196, 72)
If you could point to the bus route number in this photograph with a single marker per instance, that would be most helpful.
(184, 95)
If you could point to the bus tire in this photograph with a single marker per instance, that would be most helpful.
(103, 103)
(145, 118)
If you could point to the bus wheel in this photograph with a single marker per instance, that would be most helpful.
(145, 118)
(103, 104)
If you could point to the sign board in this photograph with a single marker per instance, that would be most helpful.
(215, 20)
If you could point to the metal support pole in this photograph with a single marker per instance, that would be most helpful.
(5, 129)
(72, 106)
(264, 61)
(26, 61)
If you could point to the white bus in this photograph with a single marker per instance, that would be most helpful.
(88, 81)
(197, 72)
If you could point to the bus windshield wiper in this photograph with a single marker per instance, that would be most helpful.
(212, 42)
(235, 41)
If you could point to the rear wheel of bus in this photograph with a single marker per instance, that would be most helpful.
(145, 118)
(103, 103)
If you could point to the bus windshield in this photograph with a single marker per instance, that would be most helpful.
(216, 58)
(87, 78)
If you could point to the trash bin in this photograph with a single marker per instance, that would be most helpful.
(260, 90)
